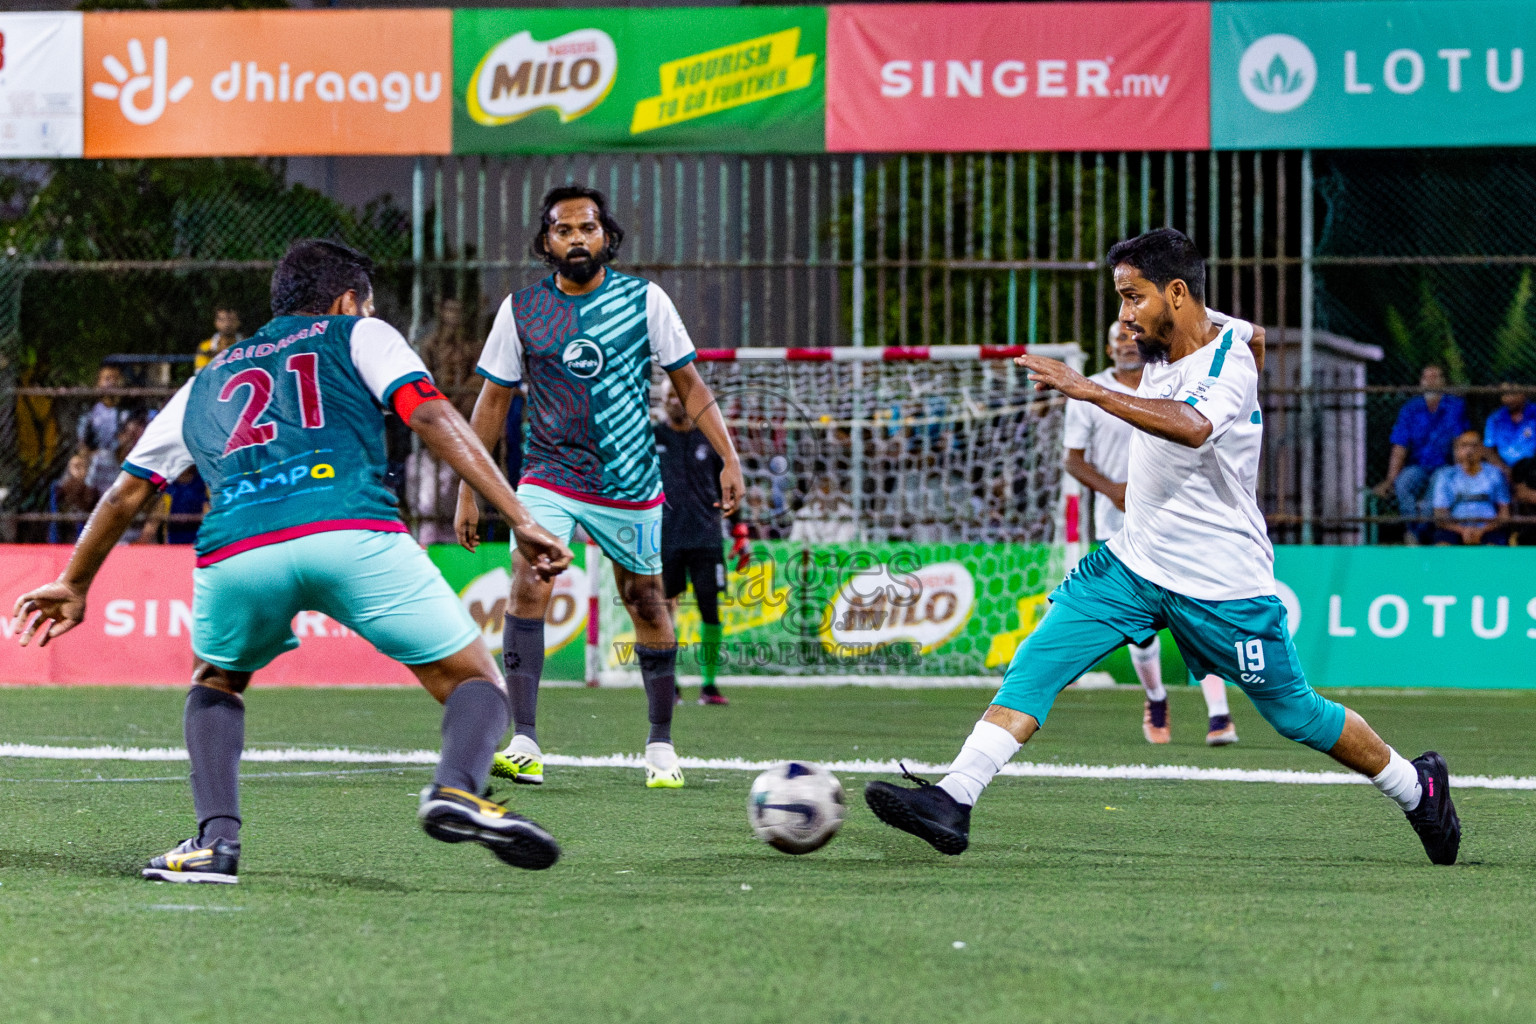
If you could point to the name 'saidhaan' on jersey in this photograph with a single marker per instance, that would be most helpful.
(287, 430)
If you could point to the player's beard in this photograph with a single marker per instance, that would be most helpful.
(1155, 342)
(579, 265)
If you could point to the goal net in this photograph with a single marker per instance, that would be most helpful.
(905, 507)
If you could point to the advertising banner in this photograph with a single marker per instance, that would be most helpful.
(964, 77)
(1416, 73)
(138, 627)
(267, 83)
(1442, 617)
(883, 609)
(41, 107)
(716, 79)
(483, 580)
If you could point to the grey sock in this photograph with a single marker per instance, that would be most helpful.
(474, 717)
(214, 726)
(659, 671)
(522, 654)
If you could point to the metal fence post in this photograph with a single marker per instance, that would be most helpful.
(418, 243)
(1308, 433)
(855, 431)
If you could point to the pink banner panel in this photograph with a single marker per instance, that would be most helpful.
(978, 77)
(138, 628)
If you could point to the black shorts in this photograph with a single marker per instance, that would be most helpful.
(704, 566)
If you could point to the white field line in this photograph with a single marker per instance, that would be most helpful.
(1022, 769)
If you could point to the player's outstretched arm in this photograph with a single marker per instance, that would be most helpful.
(487, 421)
(449, 437)
(60, 605)
(1161, 417)
(705, 413)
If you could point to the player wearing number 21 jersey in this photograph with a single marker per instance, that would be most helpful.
(288, 431)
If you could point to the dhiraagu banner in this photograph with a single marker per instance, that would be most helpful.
(719, 79)
(1299, 74)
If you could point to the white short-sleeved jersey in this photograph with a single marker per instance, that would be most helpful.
(287, 431)
(587, 362)
(1192, 523)
(1106, 444)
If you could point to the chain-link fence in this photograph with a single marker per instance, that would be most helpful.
(1418, 258)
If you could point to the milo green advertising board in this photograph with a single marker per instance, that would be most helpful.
(880, 610)
(1299, 74)
(483, 580)
(716, 79)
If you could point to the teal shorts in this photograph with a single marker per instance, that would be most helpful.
(1102, 605)
(629, 536)
(382, 586)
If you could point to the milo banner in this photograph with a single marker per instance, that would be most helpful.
(712, 79)
(881, 610)
(483, 581)
(1347, 75)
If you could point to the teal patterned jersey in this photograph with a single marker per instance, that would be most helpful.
(287, 429)
(586, 360)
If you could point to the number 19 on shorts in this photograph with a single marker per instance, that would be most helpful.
(1250, 655)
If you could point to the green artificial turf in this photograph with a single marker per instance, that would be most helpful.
(1079, 900)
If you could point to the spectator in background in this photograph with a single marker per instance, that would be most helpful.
(106, 462)
(71, 494)
(1510, 433)
(1426, 428)
(1471, 497)
(98, 428)
(226, 333)
(1522, 484)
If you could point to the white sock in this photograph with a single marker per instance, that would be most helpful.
(1399, 780)
(662, 755)
(1148, 663)
(986, 750)
(522, 745)
(1215, 690)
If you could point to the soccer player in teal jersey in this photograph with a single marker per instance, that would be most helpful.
(287, 428)
(1192, 556)
(582, 340)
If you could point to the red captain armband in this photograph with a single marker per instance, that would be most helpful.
(410, 397)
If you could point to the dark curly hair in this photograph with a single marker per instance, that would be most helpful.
(1163, 255)
(554, 196)
(314, 273)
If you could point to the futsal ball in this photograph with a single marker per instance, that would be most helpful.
(796, 806)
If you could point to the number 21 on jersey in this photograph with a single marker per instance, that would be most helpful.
(249, 430)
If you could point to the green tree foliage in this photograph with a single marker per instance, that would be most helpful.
(87, 228)
(1514, 343)
(1428, 337)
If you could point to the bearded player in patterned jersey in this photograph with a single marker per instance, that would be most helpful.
(287, 428)
(1193, 556)
(582, 340)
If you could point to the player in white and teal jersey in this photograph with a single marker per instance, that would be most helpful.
(1193, 556)
(288, 431)
(582, 341)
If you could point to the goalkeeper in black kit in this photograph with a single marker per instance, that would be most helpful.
(692, 537)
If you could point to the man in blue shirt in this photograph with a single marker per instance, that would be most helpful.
(1471, 497)
(1511, 430)
(1421, 443)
